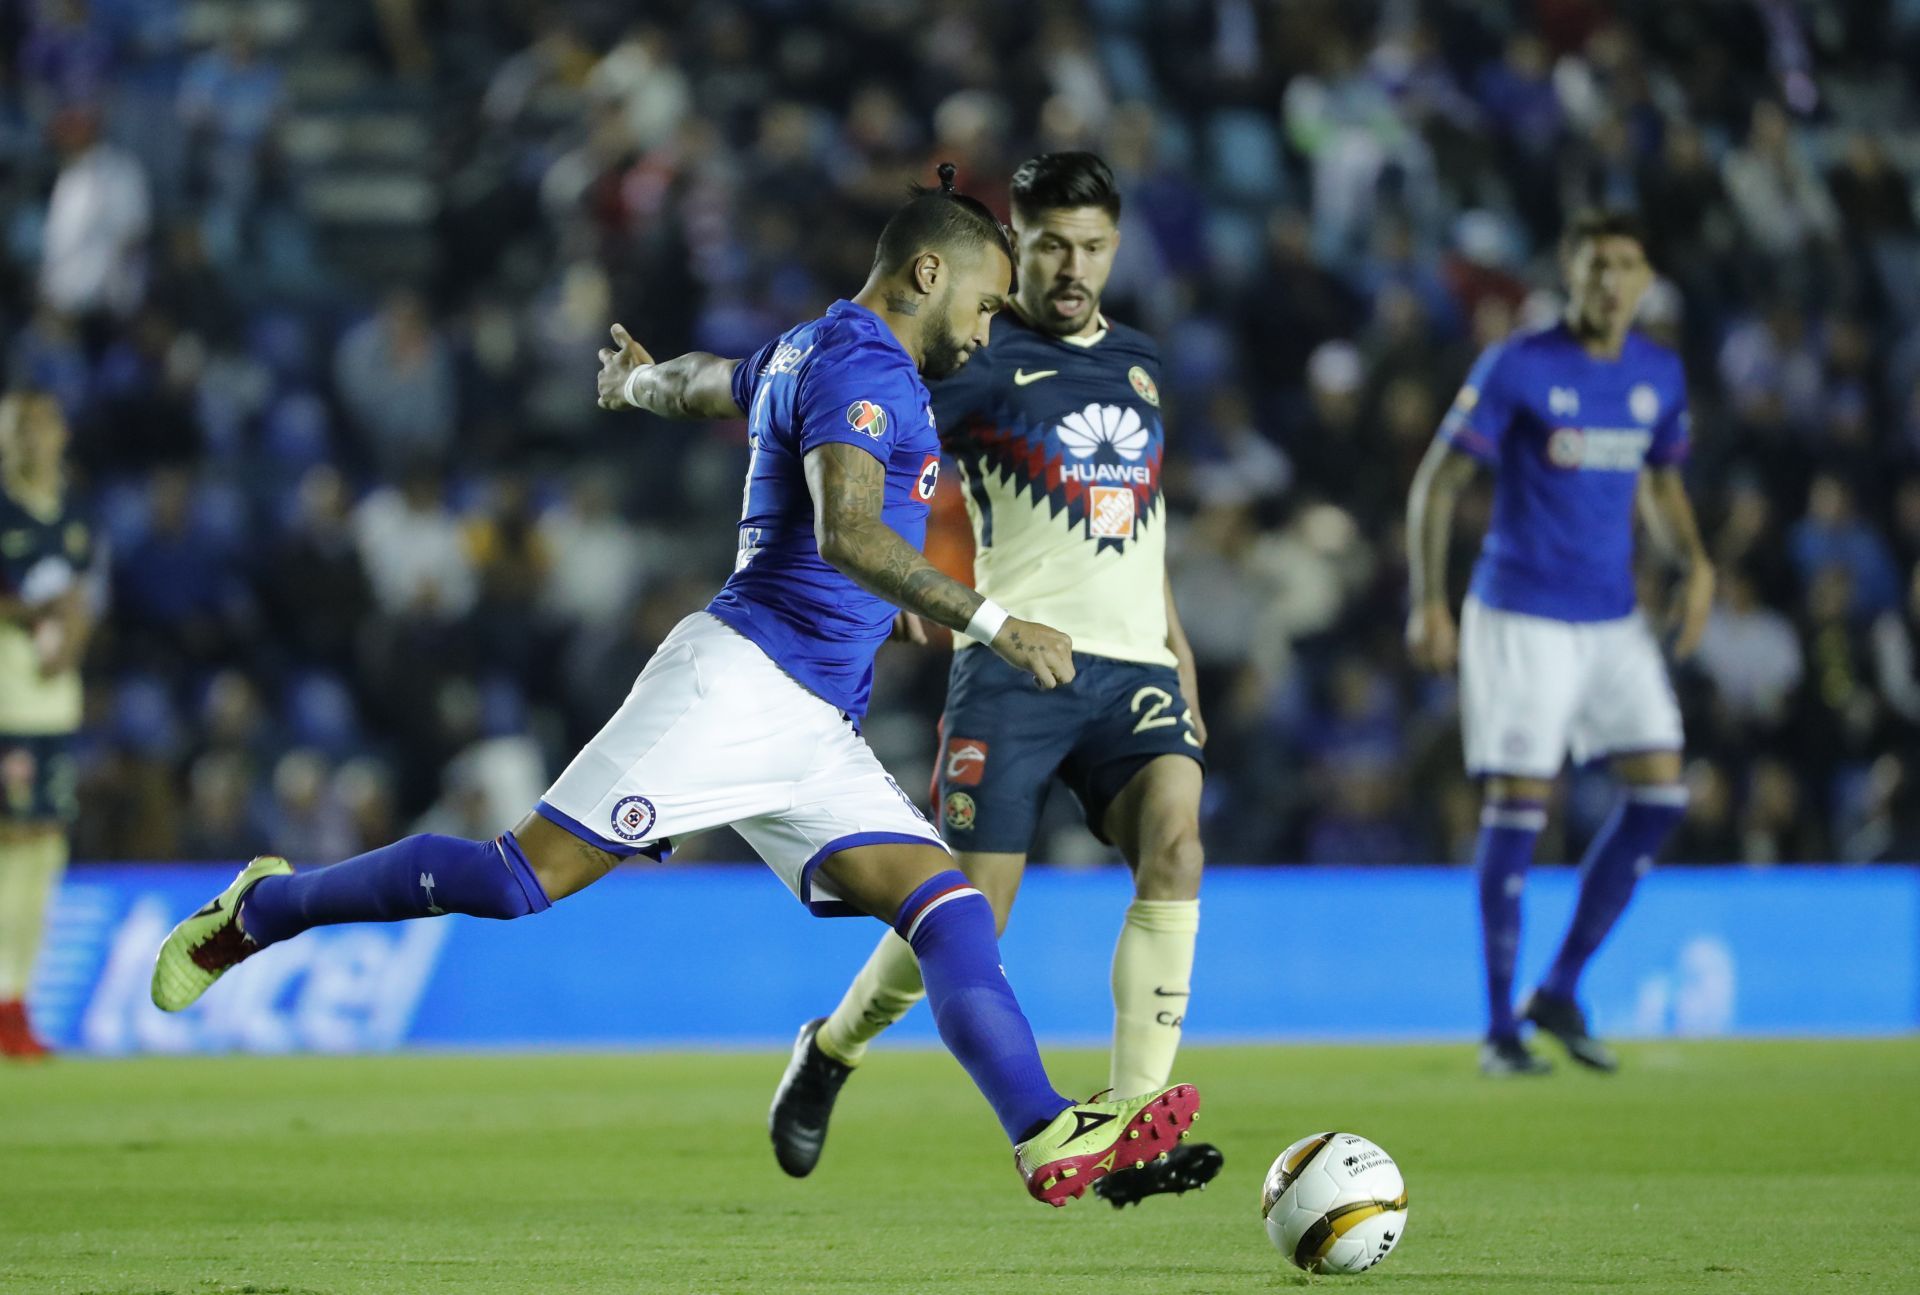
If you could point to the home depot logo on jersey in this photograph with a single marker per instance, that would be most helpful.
(1112, 514)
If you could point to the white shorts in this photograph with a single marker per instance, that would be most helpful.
(715, 734)
(1534, 690)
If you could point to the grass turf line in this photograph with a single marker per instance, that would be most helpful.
(1714, 1167)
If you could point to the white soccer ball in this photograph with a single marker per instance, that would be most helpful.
(1334, 1203)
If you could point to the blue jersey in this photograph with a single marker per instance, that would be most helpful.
(1568, 434)
(841, 379)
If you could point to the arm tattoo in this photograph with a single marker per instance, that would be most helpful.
(694, 385)
(849, 488)
(901, 304)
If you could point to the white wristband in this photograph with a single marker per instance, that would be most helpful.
(626, 391)
(986, 622)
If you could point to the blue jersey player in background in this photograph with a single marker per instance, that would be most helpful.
(1579, 421)
(748, 714)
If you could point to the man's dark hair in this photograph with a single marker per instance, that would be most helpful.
(1065, 180)
(938, 220)
(1601, 223)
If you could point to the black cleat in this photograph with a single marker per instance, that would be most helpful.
(803, 1103)
(1187, 1165)
(1563, 1019)
(1499, 1057)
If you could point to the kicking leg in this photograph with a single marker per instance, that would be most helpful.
(515, 874)
(1061, 1148)
(1622, 853)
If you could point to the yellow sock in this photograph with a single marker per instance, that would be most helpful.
(886, 988)
(30, 867)
(1152, 971)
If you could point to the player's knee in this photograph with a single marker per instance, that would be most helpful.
(561, 862)
(1505, 790)
(1171, 863)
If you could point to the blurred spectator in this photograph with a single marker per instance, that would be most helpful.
(1750, 652)
(94, 255)
(411, 545)
(395, 375)
(1831, 536)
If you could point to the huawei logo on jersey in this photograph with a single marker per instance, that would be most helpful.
(1110, 426)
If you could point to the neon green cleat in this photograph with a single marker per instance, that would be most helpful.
(1087, 1142)
(199, 950)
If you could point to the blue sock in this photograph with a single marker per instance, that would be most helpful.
(1620, 855)
(420, 876)
(950, 926)
(1507, 832)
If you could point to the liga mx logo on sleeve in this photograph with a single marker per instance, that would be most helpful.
(633, 819)
(867, 418)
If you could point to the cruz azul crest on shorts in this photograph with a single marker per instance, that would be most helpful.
(867, 418)
(633, 819)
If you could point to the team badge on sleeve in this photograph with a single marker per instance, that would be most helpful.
(867, 418)
(633, 819)
(929, 479)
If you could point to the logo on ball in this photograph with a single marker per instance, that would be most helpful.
(633, 819)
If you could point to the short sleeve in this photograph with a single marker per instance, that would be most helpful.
(1478, 421)
(746, 375)
(1673, 434)
(853, 400)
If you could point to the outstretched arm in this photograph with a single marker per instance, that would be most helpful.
(1670, 521)
(694, 385)
(849, 488)
(1432, 638)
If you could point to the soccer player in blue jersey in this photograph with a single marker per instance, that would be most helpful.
(1579, 420)
(1057, 434)
(748, 715)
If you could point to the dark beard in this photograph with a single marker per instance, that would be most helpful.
(941, 352)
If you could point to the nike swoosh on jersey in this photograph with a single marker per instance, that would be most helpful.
(1021, 378)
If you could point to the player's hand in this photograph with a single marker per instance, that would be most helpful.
(1432, 640)
(1692, 605)
(1040, 650)
(617, 364)
(908, 628)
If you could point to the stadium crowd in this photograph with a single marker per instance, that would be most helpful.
(319, 287)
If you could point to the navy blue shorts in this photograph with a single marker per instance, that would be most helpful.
(37, 779)
(1003, 741)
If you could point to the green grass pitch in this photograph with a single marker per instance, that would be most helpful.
(1718, 1167)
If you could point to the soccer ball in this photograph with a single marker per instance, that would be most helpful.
(1334, 1203)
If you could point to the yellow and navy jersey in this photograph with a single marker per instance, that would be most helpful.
(1059, 445)
(41, 557)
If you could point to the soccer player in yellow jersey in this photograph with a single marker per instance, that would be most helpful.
(46, 552)
(1055, 427)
